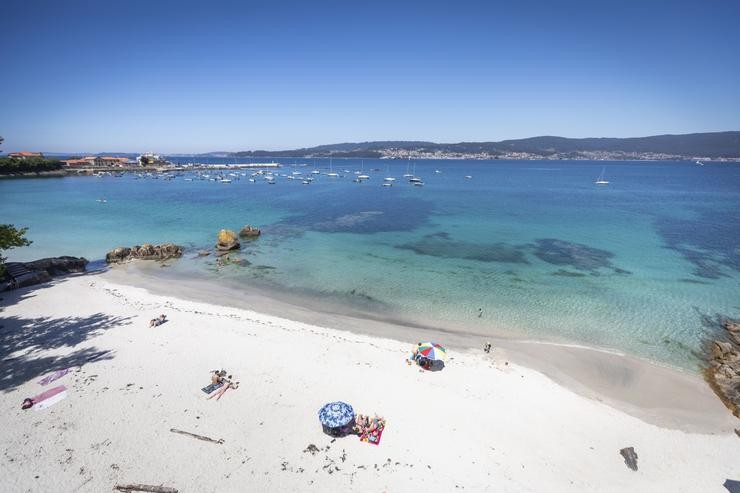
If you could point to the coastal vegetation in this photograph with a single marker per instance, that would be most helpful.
(12, 165)
(11, 237)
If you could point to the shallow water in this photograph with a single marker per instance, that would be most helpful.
(529, 248)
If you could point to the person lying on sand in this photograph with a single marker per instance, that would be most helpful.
(158, 321)
(364, 426)
(377, 424)
(217, 376)
(360, 424)
(222, 390)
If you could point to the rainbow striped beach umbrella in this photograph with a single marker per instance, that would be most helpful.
(432, 351)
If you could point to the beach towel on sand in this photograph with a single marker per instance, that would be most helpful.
(49, 398)
(54, 376)
(208, 389)
(373, 437)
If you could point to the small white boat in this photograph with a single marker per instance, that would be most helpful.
(437, 171)
(408, 165)
(387, 184)
(388, 172)
(306, 182)
(225, 180)
(363, 177)
(418, 183)
(601, 180)
(315, 172)
(415, 179)
(700, 163)
(468, 177)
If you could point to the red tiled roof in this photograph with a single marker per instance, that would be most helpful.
(24, 154)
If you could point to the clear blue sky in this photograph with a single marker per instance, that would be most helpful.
(206, 76)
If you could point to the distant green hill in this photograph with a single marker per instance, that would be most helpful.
(713, 145)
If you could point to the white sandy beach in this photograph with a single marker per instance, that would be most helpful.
(478, 425)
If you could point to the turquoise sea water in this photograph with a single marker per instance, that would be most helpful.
(544, 252)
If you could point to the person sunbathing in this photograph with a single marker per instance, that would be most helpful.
(155, 322)
(222, 390)
(218, 376)
(361, 423)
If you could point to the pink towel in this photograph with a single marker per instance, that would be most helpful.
(374, 437)
(54, 376)
(49, 394)
(50, 401)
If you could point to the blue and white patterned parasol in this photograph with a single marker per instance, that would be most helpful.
(336, 414)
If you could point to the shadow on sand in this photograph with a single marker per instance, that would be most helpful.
(27, 338)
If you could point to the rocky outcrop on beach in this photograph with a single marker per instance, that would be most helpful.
(723, 371)
(58, 266)
(146, 251)
(22, 274)
(249, 232)
(227, 241)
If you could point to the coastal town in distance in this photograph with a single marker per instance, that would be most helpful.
(725, 148)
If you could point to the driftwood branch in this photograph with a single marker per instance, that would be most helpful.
(199, 437)
(144, 487)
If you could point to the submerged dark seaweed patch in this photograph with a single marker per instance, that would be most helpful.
(438, 246)
(366, 214)
(576, 255)
(567, 273)
(711, 241)
(693, 281)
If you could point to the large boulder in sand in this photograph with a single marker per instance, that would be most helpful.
(58, 266)
(249, 232)
(146, 251)
(118, 254)
(227, 240)
(20, 274)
